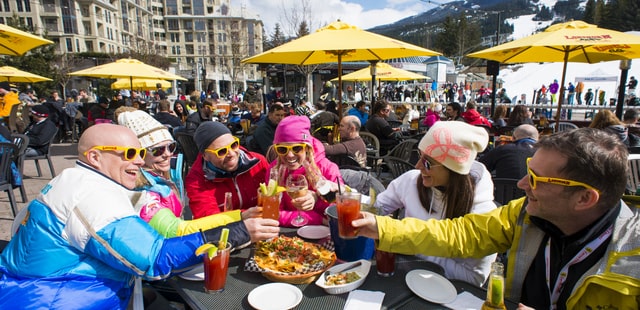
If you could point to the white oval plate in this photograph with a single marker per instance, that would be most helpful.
(431, 286)
(275, 296)
(314, 232)
(195, 274)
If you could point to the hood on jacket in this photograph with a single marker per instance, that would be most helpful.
(618, 130)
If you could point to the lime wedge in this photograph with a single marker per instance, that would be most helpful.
(224, 236)
(207, 247)
(263, 189)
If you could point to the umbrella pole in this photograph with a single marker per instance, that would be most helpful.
(340, 85)
(561, 96)
(131, 83)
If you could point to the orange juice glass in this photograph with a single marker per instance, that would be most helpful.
(270, 205)
(215, 270)
(348, 208)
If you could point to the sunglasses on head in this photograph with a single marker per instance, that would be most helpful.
(534, 179)
(159, 150)
(282, 149)
(129, 153)
(428, 165)
(223, 151)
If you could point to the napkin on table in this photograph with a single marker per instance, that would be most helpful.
(465, 300)
(360, 299)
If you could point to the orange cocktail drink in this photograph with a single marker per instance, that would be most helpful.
(270, 205)
(348, 208)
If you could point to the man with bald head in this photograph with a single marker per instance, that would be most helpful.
(80, 243)
(351, 143)
(510, 160)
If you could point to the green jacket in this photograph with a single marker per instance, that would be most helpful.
(612, 282)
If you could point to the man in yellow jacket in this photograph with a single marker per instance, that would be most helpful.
(8, 99)
(572, 243)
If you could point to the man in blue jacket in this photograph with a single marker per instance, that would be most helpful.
(80, 243)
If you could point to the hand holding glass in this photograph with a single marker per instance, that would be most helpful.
(297, 186)
(348, 208)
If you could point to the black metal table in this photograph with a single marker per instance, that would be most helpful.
(240, 283)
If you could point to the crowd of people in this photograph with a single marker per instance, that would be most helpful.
(570, 242)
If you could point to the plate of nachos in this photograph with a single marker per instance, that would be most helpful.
(292, 260)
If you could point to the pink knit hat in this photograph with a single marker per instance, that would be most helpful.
(293, 129)
(454, 144)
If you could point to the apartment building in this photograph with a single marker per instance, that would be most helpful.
(206, 38)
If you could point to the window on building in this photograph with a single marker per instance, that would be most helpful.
(188, 25)
(199, 25)
(175, 37)
(7, 8)
(189, 49)
(186, 10)
(173, 24)
(27, 6)
(30, 23)
(19, 6)
(188, 37)
(69, 45)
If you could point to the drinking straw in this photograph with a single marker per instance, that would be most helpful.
(339, 188)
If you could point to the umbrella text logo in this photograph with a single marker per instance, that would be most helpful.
(614, 48)
(589, 38)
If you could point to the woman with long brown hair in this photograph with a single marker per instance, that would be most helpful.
(448, 182)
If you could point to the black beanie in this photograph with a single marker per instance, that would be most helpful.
(207, 132)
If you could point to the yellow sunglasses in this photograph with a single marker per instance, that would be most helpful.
(282, 149)
(223, 151)
(534, 179)
(128, 154)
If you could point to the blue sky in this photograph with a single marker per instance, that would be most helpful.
(362, 13)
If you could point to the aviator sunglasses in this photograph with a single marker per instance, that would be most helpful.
(282, 149)
(128, 154)
(159, 150)
(223, 151)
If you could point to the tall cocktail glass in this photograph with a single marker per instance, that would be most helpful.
(348, 207)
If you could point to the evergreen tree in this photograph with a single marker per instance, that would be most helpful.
(447, 39)
(589, 12)
(599, 12)
(303, 30)
(277, 38)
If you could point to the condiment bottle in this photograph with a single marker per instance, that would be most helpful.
(495, 289)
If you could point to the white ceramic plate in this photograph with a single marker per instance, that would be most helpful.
(275, 296)
(314, 232)
(431, 286)
(195, 274)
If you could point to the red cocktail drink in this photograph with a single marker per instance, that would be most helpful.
(215, 270)
(385, 263)
(348, 208)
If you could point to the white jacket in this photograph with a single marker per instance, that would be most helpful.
(403, 193)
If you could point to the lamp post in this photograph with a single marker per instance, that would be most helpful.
(625, 65)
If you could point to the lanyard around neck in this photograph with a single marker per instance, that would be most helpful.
(554, 293)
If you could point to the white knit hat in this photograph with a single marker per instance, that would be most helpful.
(148, 129)
(454, 144)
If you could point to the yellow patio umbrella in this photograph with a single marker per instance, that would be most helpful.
(16, 42)
(139, 84)
(127, 68)
(14, 75)
(384, 72)
(574, 41)
(339, 42)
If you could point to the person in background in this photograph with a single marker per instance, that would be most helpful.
(378, 126)
(519, 115)
(303, 109)
(630, 119)
(98, 112)
(434, 110)
(410, 114)
(446, 185)
(579, 90)
(509, 161)
(180, 110)
(40, 131)
(453, 112)
(204, 114)
(90, 242)
(8, 99)
(472, 117)
(222, 166)
(588, 97)
(360, 111)
(159, 202)
(166, 116)
(553, 90)
(351, 143)
(499, 115)
(300, 153)
(322, 124)
(633, 83)
(571, 242)
(609, 122)
(263, 136)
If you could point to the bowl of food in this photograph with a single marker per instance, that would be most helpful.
(340, 280)
(292, 260)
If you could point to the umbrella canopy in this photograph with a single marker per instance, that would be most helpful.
(384, 72)
(139, 84)
(127, 68)
(338, 42)
(16, 42)
(574, 41)
(11, 74)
